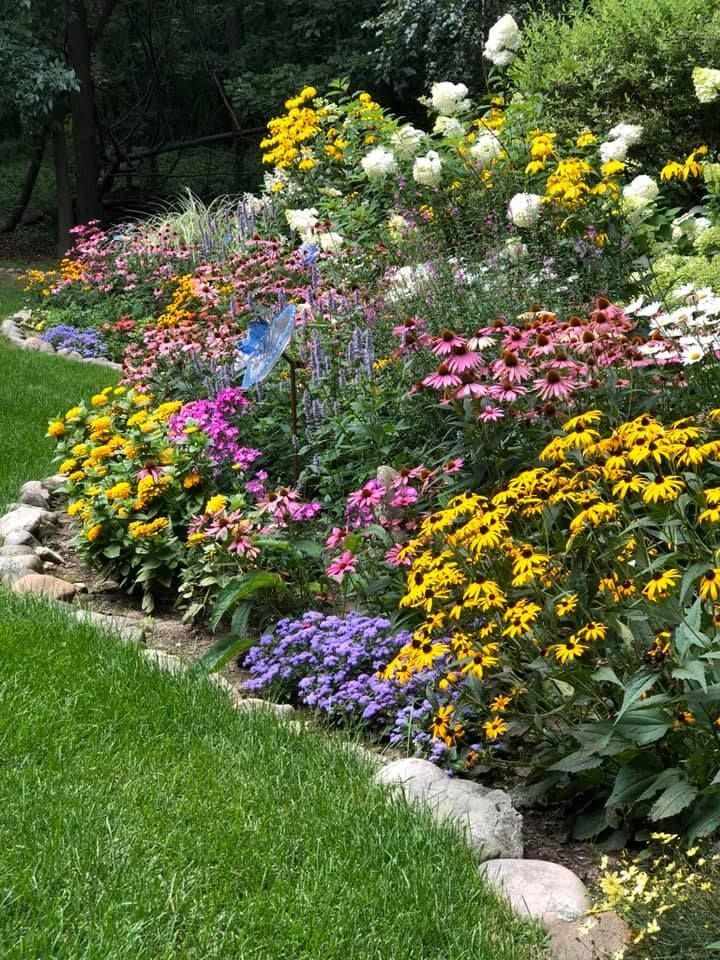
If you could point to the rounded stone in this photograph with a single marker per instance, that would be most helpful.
(41, 585)
(537, 888)
(13, 568)
(598, 936)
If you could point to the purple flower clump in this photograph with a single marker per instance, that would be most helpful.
(217, 418)
(330, 663)
(64, 336)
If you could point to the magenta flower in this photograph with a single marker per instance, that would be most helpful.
(461, 359)
(554, 385)
(510, 368)
(446, 341)
(490, 414)
(442, 378)
(337, 536)
(342, 565)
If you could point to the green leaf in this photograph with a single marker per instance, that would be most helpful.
(240, 589)
(694, 670)
(607, 675)
(225, 649)
(575, 762)
(672, 800)
(689, 578)
(112, 550)
(241, 618)
(666, 779)
(643, 726)
(635, 688)
(704, 817)
(310, 548)
(590, 825)
(629, 784)
(687, 633)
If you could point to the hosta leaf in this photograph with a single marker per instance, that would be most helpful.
(672, 800)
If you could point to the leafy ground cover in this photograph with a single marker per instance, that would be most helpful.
(33, 387)
(144, 818)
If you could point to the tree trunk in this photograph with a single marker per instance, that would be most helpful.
(82, 106)
(34, 164)
(63, 191)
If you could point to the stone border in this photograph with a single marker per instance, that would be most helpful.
(486, 819)
(15, 329)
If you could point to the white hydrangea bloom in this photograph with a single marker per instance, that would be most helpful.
(330, 242)
(379, 163)
(707, 84)
(614, 150)
(631, 133)
(449, 98)
(640, 192)
(486, 148)
(524, 209)
(303, 221)
(427, 170)
(448, 127)
(406, 281)
(503, 41)
(690, 224)
(406, 140)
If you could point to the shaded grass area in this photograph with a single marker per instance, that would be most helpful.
(33, 388)
(141, 817)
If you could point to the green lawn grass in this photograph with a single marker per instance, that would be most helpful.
(33, 388)
(142, 817)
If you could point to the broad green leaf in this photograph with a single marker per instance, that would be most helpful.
(225, 649)
(666, 779)
(689, 577)
(607, 675)
(112, 550)
(635, 688)
(589, 825)
(310, 548)
(240, 589)
(715, 779)
(575, 762)
(643, 726)
(629, 784)
(687, 632)
(672, 800)
(704, 817)
(241, 617)
(693, 670)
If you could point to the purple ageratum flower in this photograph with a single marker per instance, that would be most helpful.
(217, 419)
(330, 664)
(65, 336)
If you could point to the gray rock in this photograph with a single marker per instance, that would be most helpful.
(165, 661)
(17, 550)
(41, 585)
(37, 343)
(251, 704)
(22, 316)
(12, 568)
(599, 936)
(487, 819)
(25, 517)
(49, 556)
(74, 355)
(54, 482)
(34, 494)
(21, 538)
(126, 629)
(538, 888)
(9, 328)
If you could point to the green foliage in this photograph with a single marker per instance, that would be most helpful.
(625, 60)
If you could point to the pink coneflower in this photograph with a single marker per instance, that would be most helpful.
(409, 325)
(490, 414)
(514, 338)
(446, 341)
(461, 359)
(542, 345)
(404, 497)
(336, 537)
(342, 565)
(370, 494)
(472, 390)
(510, 368)
(151, 469)
(554, 385)
(442, 378)
(453, 466)
(392, 558)
(506, 392)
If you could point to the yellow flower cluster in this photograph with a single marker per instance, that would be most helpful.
(288, 133)
(690, 166)
(144, 531)
(486, 578)
(177, 309)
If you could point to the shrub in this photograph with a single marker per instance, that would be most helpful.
(631, 60)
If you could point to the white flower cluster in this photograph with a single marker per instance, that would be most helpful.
(449, 127)
(486, 148)
(379, 163)
(449, 98)
(621, 138)
(640, 192)
(407, 281)
(694, 325)
(427, 170)
(303, 222)
(690, 225)
(707, 84)
(524, 209)
(407, 140)
(503, 42)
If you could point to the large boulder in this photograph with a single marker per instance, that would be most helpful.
(599, 936)
(34, 494)
(487, 818)
(129, 630)
(41, 585)
(13, 568)
(537, 888)
(27, 518)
